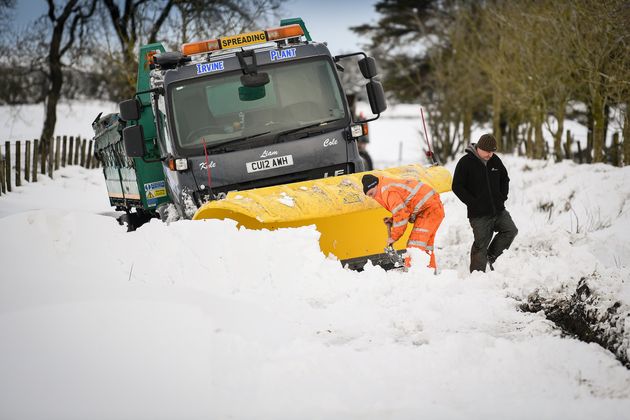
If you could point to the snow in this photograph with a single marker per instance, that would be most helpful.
(200, 319)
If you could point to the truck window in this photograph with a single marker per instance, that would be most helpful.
(208, 109)
(223, 97)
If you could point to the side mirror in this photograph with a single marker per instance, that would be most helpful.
(129, 110)
(367, 66)
(254, 80)
(376, 96)
(133, 137)
(251, 93)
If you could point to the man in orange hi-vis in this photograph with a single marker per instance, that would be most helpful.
(409, 201)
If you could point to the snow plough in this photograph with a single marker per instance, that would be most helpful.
(253, 127)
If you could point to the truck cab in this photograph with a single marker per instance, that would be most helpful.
(243, 112)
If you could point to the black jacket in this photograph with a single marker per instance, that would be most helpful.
(482, 187)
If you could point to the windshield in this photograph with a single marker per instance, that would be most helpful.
(219, 109)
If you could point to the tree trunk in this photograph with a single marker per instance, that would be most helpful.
(598, 128)
(184, 14)
(557, 137)
(56, 81)
(539, 141)
(467, 122)
(589, 134)
(446, 145)
(496, 118)
(54, 92)
(530, 143)
(131, 68)
(55, 52)
(626, 136)
(512, 136)
(615, 151)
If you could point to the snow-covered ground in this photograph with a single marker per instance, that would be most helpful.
(202, 320)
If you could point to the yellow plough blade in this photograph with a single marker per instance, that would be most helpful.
(350, 223)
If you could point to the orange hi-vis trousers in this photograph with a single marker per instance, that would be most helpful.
(424, 229)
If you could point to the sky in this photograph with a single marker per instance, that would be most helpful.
(326, 20)
(330, 20)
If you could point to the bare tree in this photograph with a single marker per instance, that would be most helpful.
(68, 26)
(6, 8)
(143, 21)
(598, 33)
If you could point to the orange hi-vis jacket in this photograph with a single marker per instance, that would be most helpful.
(406, 199)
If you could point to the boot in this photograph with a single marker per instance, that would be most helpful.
(491, 260)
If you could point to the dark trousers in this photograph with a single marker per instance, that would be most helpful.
(485, 246)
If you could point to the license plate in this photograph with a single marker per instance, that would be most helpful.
(271, 163)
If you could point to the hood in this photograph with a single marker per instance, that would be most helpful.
(472, 149)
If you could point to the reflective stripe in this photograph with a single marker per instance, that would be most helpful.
(418, 243)
(421, 202)
(429, 248)
(420, 230)
(396, 184)
(398, 208)
(401, 223)
(413, 193)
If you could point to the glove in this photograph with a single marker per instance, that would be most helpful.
(388, 220)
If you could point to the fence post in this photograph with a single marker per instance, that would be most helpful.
(43, 154)
(57, 151)
(615, 150)
(76, 150)
(70, 150)
(579, 151)
(27, 162)
(83, 153)
(3, 187)
(569, 144)
(64, 151)
(18, 163)
(88, 160)
(35, 159)
(7, 165)
(51, 156)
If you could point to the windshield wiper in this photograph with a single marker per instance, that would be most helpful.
(236, 140)
(306, 127)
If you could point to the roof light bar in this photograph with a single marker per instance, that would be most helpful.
(241, 40)
(284, 32)
(200, 47)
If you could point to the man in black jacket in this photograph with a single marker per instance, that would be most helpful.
(482, 183)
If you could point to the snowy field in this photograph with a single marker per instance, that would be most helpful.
(200, 320)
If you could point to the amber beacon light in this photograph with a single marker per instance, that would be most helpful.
(241, 40)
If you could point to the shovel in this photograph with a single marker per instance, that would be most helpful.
(391, 253)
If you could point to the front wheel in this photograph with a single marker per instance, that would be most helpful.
(367, 160)
(134, 220)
